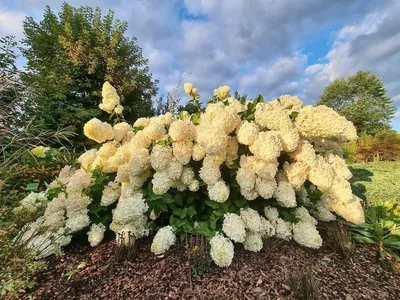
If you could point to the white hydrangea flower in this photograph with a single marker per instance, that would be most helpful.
(285, 194)
(321, 174)
(339, 166)
(86, 159)
(271, 213)
(273, 116)
(54, 215)
(160, 157)
(234, 227)
(77, 222)
(251, 219)
(175, 169)
(129, 217)
(291, 103)
(296, 173)
(188, 87)
(322, 213)
(221, 250)
(194, 186)
(247, 133)
(218, 192)
(303, 214)
(198, 152)
(181, 130)
(253, 242)
(139, 162)
(163, 240)
(141, 122)
(33, 201)
(161, 182)
(323, 122)
(266, 188)
(118, 109)
(183, 151)
(155, 130)
(268, 228)
(351, 211)
(283, 229)
(222, 92)
(121, 130)
(304, 153)
(246, 179)
(267, 146)
(212, 139)
(96, 234)
(98, 131)
(187, 175)
(110, 98)
(210, 174)
(111, 193)
(289, 139)
(306, 234)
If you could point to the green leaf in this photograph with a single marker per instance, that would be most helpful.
(32, 186)
(294, 115)
(183, 213)
(219, 213)
(191, 211)
(167, 198)
(213, 204)
(260, 99)
(178, 199)
(136, 129)
(162, 142)
(363, 239)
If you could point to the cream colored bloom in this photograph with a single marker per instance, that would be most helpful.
(188, 87)
(98, 131)
(234, 228)
(221, 250)
(323, 122)
(110, 98)
(253, 242)
(222, 92)
(96, 234)
(163, 240)
(218, 192)
(306, 234)
(267, 146)
(40, 151)
(247, 133)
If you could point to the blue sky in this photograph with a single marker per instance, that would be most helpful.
(272, 47)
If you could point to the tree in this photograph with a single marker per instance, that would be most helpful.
(69, 57)
(362, 99)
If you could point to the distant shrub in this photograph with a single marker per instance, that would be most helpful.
(384, 146)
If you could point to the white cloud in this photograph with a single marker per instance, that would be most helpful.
(373, 44)
(11, 23)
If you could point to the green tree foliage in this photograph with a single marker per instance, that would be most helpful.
(70, 55)
(362, 99)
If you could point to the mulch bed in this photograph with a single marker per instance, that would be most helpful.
(261, 275)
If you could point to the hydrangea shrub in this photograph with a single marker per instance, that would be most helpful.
(233, 171)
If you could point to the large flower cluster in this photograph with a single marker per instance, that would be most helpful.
(232, 150)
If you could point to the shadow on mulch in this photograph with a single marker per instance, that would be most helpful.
(262, 275)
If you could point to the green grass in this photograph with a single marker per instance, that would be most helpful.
(376, 181)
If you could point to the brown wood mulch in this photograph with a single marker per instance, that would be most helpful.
(261, 275)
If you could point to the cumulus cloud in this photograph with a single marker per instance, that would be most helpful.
(255, 46)
(11, 22)
(372, 44)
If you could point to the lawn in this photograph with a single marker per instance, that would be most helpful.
(376, 181)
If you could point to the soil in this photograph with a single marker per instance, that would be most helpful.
(263, 275)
